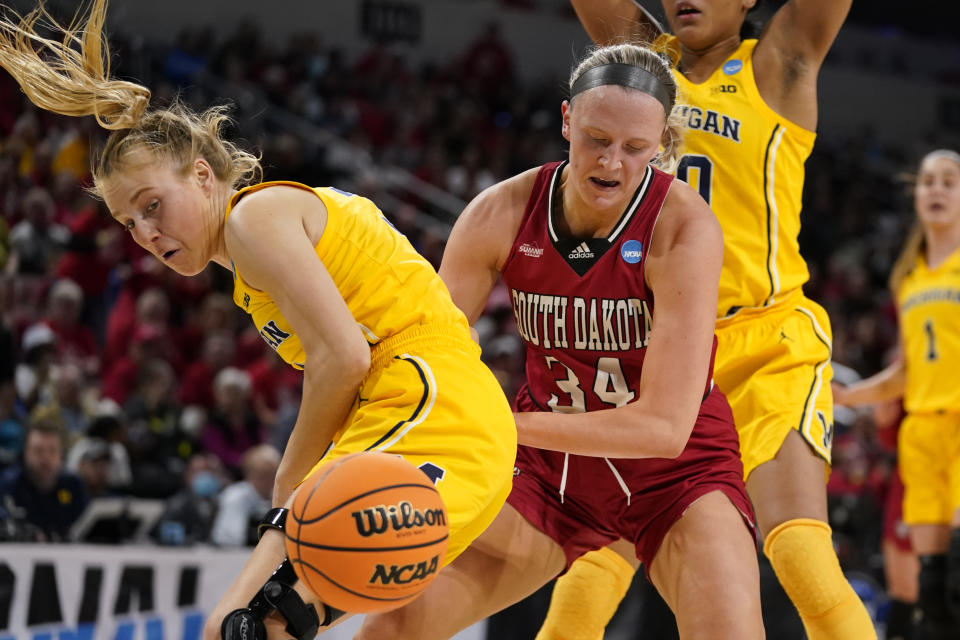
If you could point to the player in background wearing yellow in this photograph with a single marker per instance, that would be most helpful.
(926, 284)
(389, 363)
(750, 109)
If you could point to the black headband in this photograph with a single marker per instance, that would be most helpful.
(625, 75)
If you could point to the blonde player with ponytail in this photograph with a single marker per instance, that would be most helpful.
(388, 359)
(925, 282)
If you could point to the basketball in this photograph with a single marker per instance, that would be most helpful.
(367, 532)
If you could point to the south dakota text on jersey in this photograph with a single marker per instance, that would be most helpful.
(595, 324)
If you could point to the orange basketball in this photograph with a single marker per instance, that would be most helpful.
(367, 532)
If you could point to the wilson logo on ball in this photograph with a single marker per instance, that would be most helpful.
(375, 520)
(404, 573)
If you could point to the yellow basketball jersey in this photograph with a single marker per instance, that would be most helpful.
(747, 163)
(386, 284)
(929, 306)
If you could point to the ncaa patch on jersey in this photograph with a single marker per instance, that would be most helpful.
(631, 251)
(730, 67)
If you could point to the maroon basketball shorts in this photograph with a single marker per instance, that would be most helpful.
(894, 529)
(593, 509)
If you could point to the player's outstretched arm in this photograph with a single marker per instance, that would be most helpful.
(884, 385)
(683, 271)
(614, 21)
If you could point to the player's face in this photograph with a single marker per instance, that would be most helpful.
(937, 196)
(614, 133)
(698, 24)
(167, 212)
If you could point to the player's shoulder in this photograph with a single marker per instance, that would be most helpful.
(272, 198)
(498, 210)
(686, 217)
(507, 197)
(684, 204)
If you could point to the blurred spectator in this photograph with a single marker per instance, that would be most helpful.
(159, 446)
(150, 308)
(188, 515)
(244, 503)
(148, 343)
(276, 385)
(66, 402)
(216, 314)
(233, 426)
(32, 376)
(487, 63)
(11, 426)
(36, 240)
(93, 467)
(40, 491)
(196, 388)
(106, 431)
(75, 341)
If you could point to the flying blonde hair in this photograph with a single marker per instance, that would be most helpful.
(72, 77)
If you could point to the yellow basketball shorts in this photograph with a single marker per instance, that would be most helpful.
(773, 364)
(928, 452)
(430, 399)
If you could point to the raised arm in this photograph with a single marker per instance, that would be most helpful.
(267, 241)
(683, 270)
(805, 29)
(613, 21)
(480, 243)
(790, 52)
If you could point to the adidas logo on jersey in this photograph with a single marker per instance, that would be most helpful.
(582, 251)
(532, 250)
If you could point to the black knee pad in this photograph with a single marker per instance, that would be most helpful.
(932, 601)
(953, 574)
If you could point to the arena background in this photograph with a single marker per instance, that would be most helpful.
(417, 104)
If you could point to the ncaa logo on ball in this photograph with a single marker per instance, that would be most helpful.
(400, 518)
(632, 251)
(405, 573)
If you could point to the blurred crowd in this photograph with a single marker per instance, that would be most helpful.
(119, 378)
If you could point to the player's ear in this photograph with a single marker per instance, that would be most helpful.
(203, 174)
(565, 108)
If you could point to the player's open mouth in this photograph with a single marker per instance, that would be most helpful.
(606, 184)
(170, 254)
(684, 9)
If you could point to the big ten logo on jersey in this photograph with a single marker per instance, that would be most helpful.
(273, 335)
(723, 88)
(592, 324)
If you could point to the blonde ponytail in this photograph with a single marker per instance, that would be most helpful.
(70, 77)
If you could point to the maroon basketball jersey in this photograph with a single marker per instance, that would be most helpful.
(581, 304)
